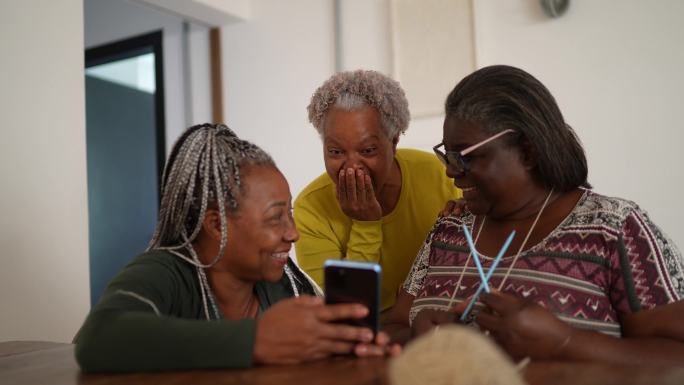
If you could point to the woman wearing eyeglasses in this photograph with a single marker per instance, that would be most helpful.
(586, 277)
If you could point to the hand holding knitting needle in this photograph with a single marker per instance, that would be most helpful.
(523, 328)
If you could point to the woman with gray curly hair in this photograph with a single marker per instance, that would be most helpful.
(375, 203)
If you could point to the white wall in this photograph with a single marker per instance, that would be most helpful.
(186, 80)
(43, 226)
(613, 65)
(364, 35)
(615, 68)
(272, 64)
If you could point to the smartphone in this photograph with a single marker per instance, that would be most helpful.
(354, 282)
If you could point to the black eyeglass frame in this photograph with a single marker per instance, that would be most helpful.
(451, 158)
(457, 159)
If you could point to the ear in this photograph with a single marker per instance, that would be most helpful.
(211, 224)
(395, 141)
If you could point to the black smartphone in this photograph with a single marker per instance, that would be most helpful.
(354, 282)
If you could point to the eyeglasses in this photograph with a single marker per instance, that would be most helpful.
(456, 159)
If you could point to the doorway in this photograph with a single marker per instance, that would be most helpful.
(125, 135)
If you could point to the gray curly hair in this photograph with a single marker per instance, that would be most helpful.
(353, 90)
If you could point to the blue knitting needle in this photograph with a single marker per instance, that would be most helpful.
(476, 257)
(489, 275)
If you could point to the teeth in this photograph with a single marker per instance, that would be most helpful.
(467, 189)
(280, 255)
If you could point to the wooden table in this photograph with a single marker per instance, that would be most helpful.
(53, 363)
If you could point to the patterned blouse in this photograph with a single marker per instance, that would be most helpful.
(605, 260)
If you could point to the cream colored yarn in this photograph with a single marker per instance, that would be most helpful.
(453, 355)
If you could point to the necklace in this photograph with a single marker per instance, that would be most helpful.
(248, 311)
(515, 259)
(249, 307)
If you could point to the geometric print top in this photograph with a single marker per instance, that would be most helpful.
(604, 260)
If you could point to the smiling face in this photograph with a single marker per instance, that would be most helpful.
(499, 181)
(355, 139)
(262, 231)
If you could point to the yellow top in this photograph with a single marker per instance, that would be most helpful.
(393, 241)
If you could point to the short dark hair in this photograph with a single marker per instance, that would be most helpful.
(502, 97)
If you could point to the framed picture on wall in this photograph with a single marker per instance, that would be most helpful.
(433, 48)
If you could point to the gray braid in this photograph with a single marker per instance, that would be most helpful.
(203, 170)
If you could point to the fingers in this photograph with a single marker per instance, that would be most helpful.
(351, 186)
(336, 347)
(341, 311)
(382, 339)
(380, 347)
(446, 211)
(342, 187)
(368, 184)
(343, 332)
(366, 350)
(360, 182)
(489, 322)
(453, 207)
(501, 303)
(460, 307)
(308, 300)
(393, 350)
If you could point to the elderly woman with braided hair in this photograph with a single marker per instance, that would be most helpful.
(375, 203)
(216, 288)
(587, 277)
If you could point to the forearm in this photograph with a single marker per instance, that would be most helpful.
(138, 341)
(663, 321)
(593, 346)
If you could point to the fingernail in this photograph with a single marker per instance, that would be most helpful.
(350, 171)
(367, 335)
(361, 349)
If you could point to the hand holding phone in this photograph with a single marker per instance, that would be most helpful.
(355, 282)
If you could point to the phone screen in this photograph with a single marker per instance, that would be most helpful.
(355, 282)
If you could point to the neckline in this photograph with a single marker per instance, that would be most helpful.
(544, 240)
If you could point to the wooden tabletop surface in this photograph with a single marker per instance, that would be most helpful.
(30, 362)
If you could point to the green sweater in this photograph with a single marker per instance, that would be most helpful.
(151, 317)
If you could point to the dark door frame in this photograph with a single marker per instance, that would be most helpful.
(131, 47)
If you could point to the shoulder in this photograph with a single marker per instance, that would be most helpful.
(608, 212)
(316, 192)
(426, 172)
(161, 259)
(448, 227)
(152, 266)
(156, 275)
(418, 158)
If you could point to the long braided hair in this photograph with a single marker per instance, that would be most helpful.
(203, 171)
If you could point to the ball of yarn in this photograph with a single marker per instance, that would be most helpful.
(453, 355)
